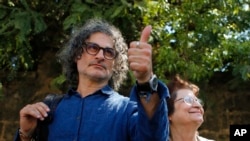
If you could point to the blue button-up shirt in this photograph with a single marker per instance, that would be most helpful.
(108, 116)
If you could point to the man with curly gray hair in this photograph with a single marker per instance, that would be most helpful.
(95, 62)
(74, 50)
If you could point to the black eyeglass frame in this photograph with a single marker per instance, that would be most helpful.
(106, 50)
(190, 100)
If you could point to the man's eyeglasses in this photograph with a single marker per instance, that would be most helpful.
(190, 100)
(93, 49)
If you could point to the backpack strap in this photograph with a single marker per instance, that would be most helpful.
(41, 131)
(52, 100)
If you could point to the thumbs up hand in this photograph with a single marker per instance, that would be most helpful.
(140, 57)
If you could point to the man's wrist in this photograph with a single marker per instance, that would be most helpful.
(146, 89)
(145, 80)
(149, 86)
(24, 136)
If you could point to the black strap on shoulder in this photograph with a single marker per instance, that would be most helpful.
(41, 132)
(52, 101)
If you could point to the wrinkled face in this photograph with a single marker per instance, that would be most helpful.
(186, 113)
(96, 67)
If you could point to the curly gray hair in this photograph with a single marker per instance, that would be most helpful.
(73, 50)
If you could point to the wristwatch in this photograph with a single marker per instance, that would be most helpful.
(147, 88)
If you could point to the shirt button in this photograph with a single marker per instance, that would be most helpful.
(78, 118)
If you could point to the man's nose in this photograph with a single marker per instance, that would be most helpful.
(100, 54)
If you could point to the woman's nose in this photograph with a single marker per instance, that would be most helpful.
(197, 103)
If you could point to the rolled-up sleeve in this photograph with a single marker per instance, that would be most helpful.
(156, 128)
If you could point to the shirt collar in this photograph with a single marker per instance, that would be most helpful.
(107, 90)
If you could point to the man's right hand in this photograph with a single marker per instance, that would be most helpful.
(29, 116)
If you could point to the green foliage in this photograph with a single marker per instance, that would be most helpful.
(120, 13)
(193, 38)
(58, 82)
(18, 24)
(195, 43)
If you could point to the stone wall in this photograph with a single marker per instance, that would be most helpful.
(224, 108)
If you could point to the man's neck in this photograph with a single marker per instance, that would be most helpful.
(86, 88)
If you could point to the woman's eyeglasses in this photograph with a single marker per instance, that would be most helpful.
(190, 100)
(93, 49)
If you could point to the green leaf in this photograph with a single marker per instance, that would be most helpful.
(39, 24)
(117, 11)
(70, 21)
(2, 13)
(22, 22)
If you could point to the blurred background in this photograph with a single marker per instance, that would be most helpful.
(205, 41)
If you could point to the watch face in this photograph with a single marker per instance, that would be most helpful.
(154, 83)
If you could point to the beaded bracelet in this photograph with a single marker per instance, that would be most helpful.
(24, 137)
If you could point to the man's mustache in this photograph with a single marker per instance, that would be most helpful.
(98, 63)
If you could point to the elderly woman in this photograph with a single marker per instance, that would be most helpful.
(185, 111)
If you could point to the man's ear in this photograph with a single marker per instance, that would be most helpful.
(77, 58)
(169, 118)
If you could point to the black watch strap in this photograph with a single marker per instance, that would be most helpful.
(146, 89)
